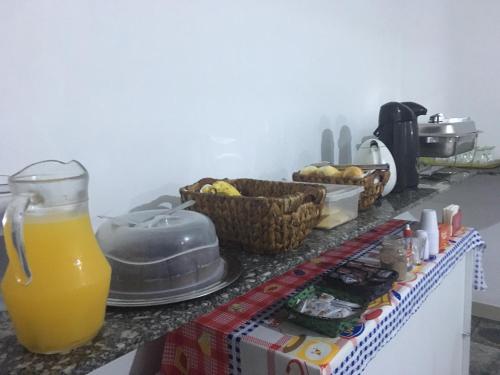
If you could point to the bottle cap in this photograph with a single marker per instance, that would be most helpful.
(407, 231)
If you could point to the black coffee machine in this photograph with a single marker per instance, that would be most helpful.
(398, 130)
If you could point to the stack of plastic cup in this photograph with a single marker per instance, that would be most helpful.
(429, 223)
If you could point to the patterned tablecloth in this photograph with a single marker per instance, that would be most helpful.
(251, 335)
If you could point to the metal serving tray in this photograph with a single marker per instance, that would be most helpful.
(444, 146)
(451, 126)
(443, 137)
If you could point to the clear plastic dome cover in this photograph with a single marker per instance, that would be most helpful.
(155, 254)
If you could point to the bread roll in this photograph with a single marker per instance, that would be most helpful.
(329, 171)
(309, 170)
(353, 172)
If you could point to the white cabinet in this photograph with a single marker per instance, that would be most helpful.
(435, 340)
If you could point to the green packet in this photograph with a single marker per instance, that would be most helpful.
(331, 327)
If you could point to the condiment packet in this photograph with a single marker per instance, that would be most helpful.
(326, 297)
(326, 306)
(384, 274)
(338, 313)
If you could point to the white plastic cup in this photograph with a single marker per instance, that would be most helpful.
(428, 220)
(422, 244)
(429, 223)
(433, 241)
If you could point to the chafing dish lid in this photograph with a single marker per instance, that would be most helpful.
(440, 125)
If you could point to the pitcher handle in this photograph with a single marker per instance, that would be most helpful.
(13, 223)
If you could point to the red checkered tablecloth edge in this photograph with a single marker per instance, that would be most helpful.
(203, 345)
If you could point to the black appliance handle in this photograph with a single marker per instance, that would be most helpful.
(418, 109)
(389, 114)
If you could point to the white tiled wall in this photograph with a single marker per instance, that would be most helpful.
(474, 65)
(153, 95)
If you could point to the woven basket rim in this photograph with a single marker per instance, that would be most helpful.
(371, 192)
(371, 173)
(287, 217)
(186, 189)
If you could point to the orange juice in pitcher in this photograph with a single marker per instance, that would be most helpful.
(57, 281)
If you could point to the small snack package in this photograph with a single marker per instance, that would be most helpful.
(326, 306)
(444, 236)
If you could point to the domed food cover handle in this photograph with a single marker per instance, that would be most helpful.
(13, 223)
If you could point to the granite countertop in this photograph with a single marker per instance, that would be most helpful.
(126, 329)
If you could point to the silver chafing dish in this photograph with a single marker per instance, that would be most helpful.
(443, 137)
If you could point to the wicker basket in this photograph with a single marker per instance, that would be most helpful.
(269, 217)
(373, 183)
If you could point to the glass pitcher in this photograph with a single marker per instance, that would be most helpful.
(57, 280)
(4, 201)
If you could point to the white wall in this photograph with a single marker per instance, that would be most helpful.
(154, 95)
(474, 44)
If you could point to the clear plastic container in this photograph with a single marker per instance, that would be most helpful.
(341, 205)
(155, 255)
(393, 255)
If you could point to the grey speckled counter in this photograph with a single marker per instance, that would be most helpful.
(128, 328)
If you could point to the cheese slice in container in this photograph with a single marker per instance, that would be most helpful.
(341, 205)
